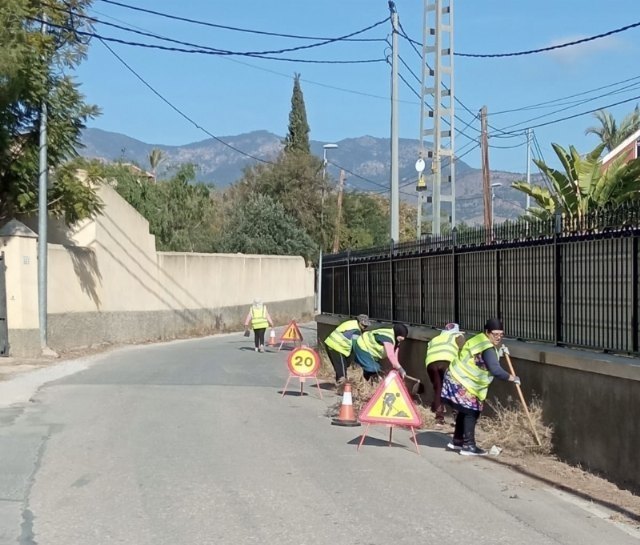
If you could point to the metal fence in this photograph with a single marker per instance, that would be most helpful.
(563, 281)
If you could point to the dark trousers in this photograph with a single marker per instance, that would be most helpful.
(339, 363)
(436, 372)
(258, 336)
(465, 430)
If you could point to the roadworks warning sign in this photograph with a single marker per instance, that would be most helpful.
(391, 404)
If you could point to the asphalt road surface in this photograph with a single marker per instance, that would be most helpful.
(190, 442)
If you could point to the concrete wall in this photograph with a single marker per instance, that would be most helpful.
(590, 399)
(107, 283)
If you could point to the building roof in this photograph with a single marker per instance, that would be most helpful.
(620, 147)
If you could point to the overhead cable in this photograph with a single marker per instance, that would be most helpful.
(226, 27)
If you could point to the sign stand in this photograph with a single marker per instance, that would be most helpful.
(303, 363)
(392, 406)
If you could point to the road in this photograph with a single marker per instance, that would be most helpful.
(191, 442)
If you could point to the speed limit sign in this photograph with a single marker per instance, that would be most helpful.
(303, 362)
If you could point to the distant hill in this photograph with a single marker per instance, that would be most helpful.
(365, 156)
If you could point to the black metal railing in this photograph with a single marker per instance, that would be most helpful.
(568, 281)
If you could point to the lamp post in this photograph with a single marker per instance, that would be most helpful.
(324, 174)
(493, 196)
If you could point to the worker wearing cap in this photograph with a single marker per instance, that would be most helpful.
(467, 381)
(374, 345)
(339, 345)
(441, 351)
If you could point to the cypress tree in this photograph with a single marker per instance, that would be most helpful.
(298, 137)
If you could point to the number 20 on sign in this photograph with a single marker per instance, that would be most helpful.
(303, 362)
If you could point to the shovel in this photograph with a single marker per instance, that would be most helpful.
(505, 351)
(416, 386)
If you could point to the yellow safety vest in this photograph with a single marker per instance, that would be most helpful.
(368, 342)
(442, 348)
(259, 317)
(338, 341)
(465, 370)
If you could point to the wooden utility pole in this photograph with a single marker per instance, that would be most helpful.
(486, 174)
(336, 238)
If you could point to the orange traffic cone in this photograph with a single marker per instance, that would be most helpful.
(272, 337)
(346, 417)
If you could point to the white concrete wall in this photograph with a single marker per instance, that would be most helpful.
(118, 271)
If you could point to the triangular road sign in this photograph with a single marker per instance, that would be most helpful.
(391, 404)
(292, 333)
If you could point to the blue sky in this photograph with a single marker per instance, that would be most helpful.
(233, 95)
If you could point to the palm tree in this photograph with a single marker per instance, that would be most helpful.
(156, 157)
(609, 133)
(583, 186)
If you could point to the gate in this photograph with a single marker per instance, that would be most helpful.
(4, 330)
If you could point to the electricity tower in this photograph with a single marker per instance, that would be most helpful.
(437, 121)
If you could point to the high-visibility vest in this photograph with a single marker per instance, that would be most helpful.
(259, 317)
(338, 339)
(442, 348)
(466, 371)
(368, 342)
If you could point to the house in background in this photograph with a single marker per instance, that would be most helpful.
(628, 148)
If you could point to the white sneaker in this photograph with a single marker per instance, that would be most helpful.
(255, 349)
(451, 446)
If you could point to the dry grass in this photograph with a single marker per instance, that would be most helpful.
(510, 430)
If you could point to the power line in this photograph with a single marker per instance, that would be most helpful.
(557, 100)
(204, 51)
(288, 76)
(554, 121)
(180, 112)
(222, 51)
(358, 175)
(628, 88)
(550, 48)
(226, 27)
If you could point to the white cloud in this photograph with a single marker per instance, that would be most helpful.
(584, 51)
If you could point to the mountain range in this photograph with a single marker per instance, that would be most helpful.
(365, 159)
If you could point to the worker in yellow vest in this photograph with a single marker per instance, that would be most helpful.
(441, 351)
(374, 345)
(467, 381)
(258, 318)
(339, 345)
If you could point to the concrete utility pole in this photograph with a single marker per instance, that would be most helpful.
(42, 217)
(324, 175)
(486, 174)
(395, 180)
(336, 238)
(437, 51)
(528, 201)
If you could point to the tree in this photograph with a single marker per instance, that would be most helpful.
(609, 133)
(584, 186)
(295, 181)
(156, 157)
(297, 139)
(261, 225)
(33, 69)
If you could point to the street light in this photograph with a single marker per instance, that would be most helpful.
(324, 174)
(493, 196)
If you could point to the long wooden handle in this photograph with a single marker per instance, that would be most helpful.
(524, 403)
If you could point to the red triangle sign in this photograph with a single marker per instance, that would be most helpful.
(391, 404)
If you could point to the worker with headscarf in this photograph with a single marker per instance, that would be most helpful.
(374, 345)
(258, 318)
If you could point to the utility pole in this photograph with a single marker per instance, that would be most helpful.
(395, 181)
(336, 238)
(437, 49)
(528, 201)
(43, 214)
(486, 175)
(325, 148)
